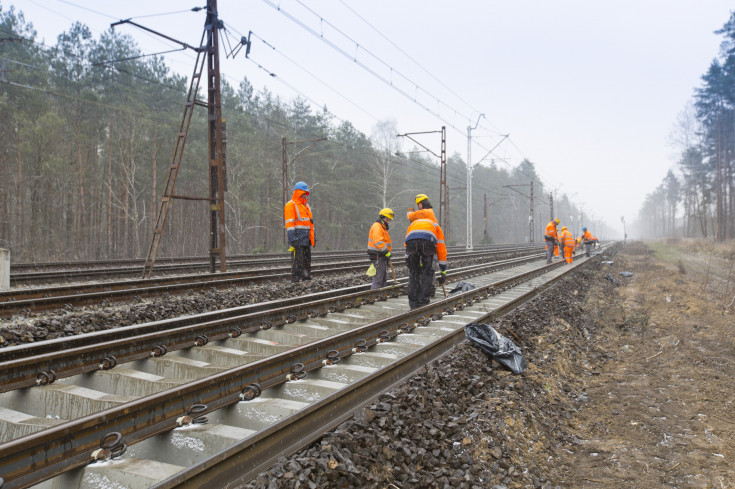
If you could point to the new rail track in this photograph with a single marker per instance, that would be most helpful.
(128, 406)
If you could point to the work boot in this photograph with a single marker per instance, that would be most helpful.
(294, 280)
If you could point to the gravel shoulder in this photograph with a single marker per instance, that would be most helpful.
(628, 385)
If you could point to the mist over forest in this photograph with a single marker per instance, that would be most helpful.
(86, 145)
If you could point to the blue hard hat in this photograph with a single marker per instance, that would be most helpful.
(584, 229)
(301, 186)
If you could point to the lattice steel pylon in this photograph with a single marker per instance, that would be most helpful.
(207, 52)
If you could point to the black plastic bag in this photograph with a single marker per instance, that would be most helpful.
(612, 279)
(496, 346)
(462, 287)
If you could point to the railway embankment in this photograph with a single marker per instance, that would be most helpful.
(627, 386)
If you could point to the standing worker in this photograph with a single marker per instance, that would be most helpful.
(587, 240)
(425, 211)
(551, 236)
(566, 241)
(379, 247)
(300, 228)
(424, 239)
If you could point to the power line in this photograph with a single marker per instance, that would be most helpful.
(406, 54)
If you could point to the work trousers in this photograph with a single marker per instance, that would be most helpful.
(420, 263)
(301, 263)
(551, 250)
(587, 248)
(381, 273)
(568, 251)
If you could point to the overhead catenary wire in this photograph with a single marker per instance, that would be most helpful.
(291, 86)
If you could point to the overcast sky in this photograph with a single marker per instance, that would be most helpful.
(589, 91)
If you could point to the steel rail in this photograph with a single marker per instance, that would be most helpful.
(42, 299)
(246, 459)
(29, 293)
(29, 278)
(138, 262)
(33, 458)
(23, 365)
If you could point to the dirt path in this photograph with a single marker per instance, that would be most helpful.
(660, 412)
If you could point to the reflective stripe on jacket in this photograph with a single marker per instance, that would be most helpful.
(566, 239)
(551, 231)
(298, 220)
(430, 230)
(379, 239)
(421, 214)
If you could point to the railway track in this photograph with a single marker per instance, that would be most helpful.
(36, 299)
(27, 274)
(269, 379)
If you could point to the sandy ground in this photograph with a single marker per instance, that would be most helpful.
(660, 411)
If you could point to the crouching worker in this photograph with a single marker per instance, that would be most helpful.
(567, 242)
(379, 247)
(424, 238)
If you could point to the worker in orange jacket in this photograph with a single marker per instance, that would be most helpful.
(424, 240)
(551, 237)
(300, 230)
(425, 211)
(588, 241)
(379, 247)
(566, 240)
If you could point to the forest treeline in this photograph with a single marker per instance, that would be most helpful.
(86, 144)
(697, 197)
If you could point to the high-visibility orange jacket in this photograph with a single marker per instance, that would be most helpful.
(551, 231)
(421, 214)
(587, 236)
(298, 220)
(428, 229)
(566, 239)
(379, 239)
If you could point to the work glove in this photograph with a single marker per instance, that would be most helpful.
(442, 277)
(387, 255)
(291, 250)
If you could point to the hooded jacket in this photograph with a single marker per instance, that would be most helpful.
(298, 220)
(421, 214)
(429, 230)
(379, 239)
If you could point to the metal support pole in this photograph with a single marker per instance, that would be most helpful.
(484, 219)
(551, 204)
(530, 219)
(443, 190)
(284, 181)
(216, 140)
(469, 182)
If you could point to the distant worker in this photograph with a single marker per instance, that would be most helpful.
(551, 236)
(424, 240)
(588, 242)
(300, 228)
(379, 247)
(566, 241)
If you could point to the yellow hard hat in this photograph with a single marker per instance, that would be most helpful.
(386, 213)
(421, 197)
(557, 220)
(563, 228)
